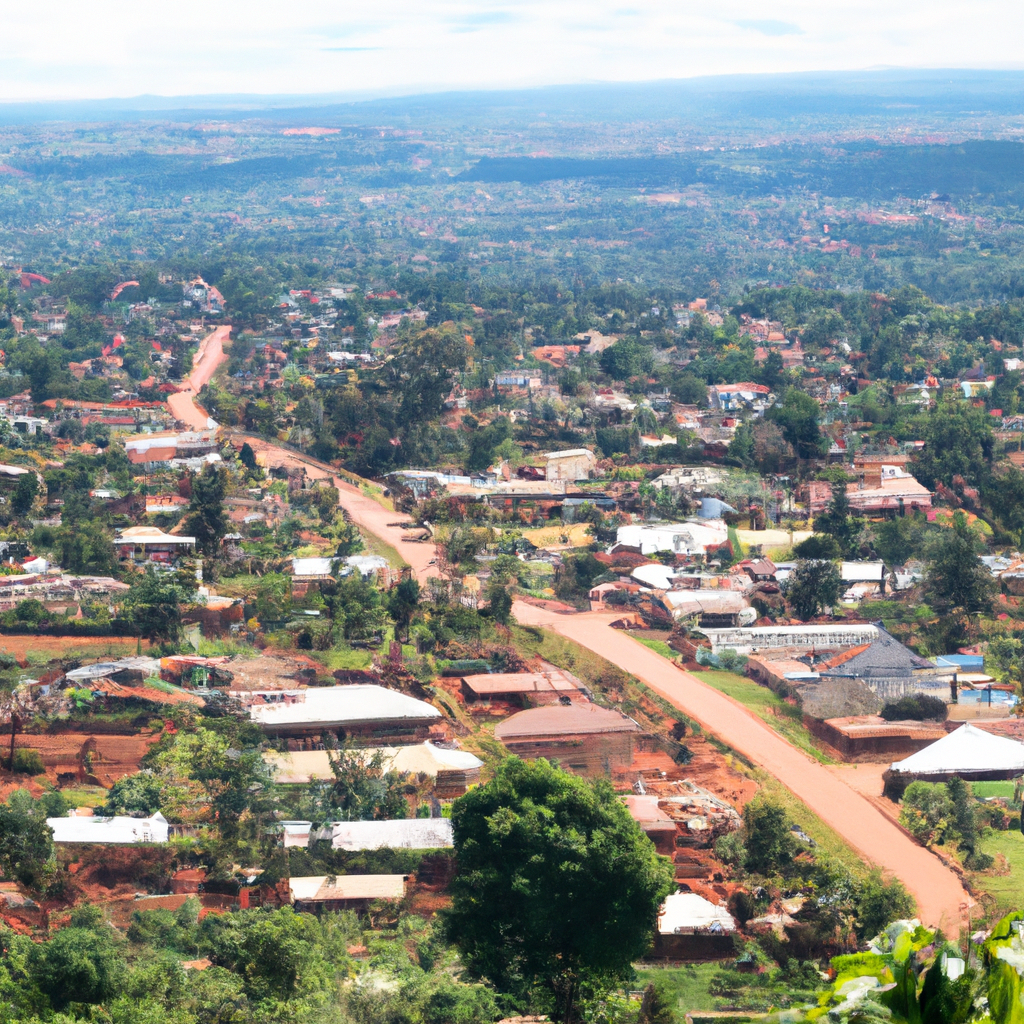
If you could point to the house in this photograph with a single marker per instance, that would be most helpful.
(693, 928)
(570, 465)
(817, 635)
(396, 834)
(889, 669)
(735, 397)
(151, 544)
(454, 771)
(870, 737)
(585, 738)
(714, 609)
(361, 710)
(679, 538)
(78, 828)
(319, 893)
(542, 687)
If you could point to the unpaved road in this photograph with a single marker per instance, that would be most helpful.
(939, 893)
(366, 513)
(208, 357)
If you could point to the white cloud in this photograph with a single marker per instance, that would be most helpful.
(68, 49)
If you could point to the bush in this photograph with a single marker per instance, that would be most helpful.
(916, 707)
(767, 837)
(28, 762)
(879, 903)
(927, 811)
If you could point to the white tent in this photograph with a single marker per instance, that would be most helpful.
(967, 751)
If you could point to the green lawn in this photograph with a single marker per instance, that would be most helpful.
(1005, 889)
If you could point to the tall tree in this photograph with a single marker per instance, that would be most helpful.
(814, 586)
(556, 889)
(957, 578)
(798, 418)
(207, 520)
(836, 519)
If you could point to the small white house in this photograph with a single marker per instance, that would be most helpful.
(119, 829)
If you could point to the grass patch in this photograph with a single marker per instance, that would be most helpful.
(343, 658)
(375, 546)
(984, 789)
(1004, 881)
(658, 646)
(683, 988)
(784, 718)
(85, 796)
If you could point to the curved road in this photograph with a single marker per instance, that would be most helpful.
(208, 357)
(940, 895)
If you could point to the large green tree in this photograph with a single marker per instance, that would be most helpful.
(207, 520)
(814, 586)
(557, 889)
(798, 418)
(958, 442)
(837, 521)
(957, 578)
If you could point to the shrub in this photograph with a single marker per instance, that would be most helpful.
(927, 811)
(767, 837)
(28, 762)
(915, 707)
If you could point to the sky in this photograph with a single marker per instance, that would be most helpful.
(67, 49)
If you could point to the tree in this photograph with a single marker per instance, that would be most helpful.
(78, 965)
(499, 602)
(207, 521)
(767, 837)
(24, 495)
(26, 841)
(814, 586)
(836, 520)
(88, 548)
(364, 789)
(627, 358)
(248, 458)
(325, 501)
(402, 601)
(152, 605)
(798, 418)
(137, 795)
(958, 442)
(556, 887)
(957, 578)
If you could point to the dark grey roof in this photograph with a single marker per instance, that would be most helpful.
(884, 657)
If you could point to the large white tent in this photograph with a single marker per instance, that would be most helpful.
(969, 752)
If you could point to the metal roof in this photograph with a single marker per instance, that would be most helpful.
(397, 834)
(314, 888)
(341, 705)
(560, 720)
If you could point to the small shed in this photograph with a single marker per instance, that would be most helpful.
(693, 928)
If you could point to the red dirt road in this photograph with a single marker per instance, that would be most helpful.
(939, 893)
(366, 513)
(208, 357)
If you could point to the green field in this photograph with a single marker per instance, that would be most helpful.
(983, 789)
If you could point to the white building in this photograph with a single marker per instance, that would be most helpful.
(679, 538)
(358, 707)
(397, 834)
(119, 829)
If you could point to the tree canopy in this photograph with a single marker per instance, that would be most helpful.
(557, 887)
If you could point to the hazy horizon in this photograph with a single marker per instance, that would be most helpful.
(108, 50)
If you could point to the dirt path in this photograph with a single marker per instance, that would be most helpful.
(208, 357)
(366, 513)
(938, 891)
